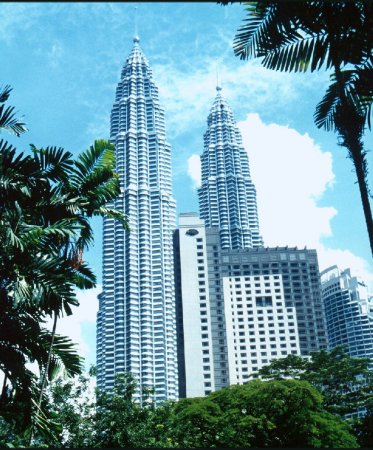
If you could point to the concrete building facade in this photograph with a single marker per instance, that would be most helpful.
(261, 304)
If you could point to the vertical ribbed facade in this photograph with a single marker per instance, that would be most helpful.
(136, 328)
(349, 313)
(227, 196)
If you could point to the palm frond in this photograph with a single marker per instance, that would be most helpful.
(54, 162)
(5, 92)
(113, 214)
(22, 167)
(12, 359)
(354, 86)
(10, 161)
(99, 155)
(65, 357)
(360, 89)
(86, 234)
(14, 239)
(9, 121)
(40, 424)
(84, 278)
(324, 115)
(60, 230)
(248, 40)
(103, 193)
(23, 291)
(304, 53)
(97, 178)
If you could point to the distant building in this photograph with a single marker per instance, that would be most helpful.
(136, 326)
(349, 312)
(239, 309)
(227, 196)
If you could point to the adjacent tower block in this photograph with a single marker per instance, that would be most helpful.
(349, 312)
(227, 196)
(136, 328)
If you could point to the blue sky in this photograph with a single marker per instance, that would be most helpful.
(64, 61)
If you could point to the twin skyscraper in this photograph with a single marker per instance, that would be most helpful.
(136, 326)
(171, 310)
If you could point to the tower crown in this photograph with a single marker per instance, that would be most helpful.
(227, 195)
(136, 62)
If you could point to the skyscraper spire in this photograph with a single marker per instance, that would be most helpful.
(136, 34)
(136, 328)
(227, 196)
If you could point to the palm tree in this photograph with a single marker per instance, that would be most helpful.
(46, 201)
(310, 35)
(8, 121)
(84, 187)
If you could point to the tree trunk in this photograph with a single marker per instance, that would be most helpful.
(351, 125)
(45, 374)
(3, 391)
(357, 158)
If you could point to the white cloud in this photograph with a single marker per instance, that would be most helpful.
(84, 314)
(188, 94)
(55, 54)
(291, 174)
(283, 165)
(194, 169)
(345, 259)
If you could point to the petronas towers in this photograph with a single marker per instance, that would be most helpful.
(227, 197)
(136, 325)
(136, 329)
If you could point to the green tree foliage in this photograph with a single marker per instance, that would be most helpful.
(72, 405)
(116, 419)
(46, 201)
(310, 35)
(345, 382)
(276, 413)
(120, 421)
(8, 120)
(363, 426)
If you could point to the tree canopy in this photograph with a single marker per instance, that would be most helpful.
(275, 413)
(345, 383)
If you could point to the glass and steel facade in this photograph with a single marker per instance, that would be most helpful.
(349, 312)
(227, 196)
(136, 328)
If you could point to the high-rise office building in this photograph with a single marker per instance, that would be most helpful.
(227, 196)
(238, 309)
(136, 328)
(349, 312)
